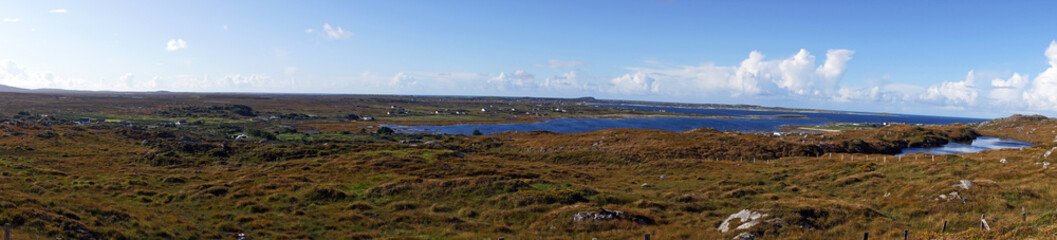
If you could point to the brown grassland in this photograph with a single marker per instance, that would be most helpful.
(137, 175)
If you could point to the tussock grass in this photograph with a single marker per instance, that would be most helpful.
(112, 182)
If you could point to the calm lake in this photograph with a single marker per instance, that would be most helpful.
(980, 144)
(678, 124)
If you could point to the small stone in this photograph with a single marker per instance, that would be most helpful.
(186, 139)
(964, 184)
(745, 236)
(603, 215)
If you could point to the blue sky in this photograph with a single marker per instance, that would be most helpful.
(966, 58)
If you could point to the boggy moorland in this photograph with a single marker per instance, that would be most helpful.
(186, 166)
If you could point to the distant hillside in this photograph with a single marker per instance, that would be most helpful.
(1036, 129)
(5, 88)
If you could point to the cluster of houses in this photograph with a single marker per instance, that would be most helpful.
(534, 112)
(84, 121)
(394, 110)
(439, 112)
(175, 123)
(500, 109)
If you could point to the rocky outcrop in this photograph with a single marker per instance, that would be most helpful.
(609, 215)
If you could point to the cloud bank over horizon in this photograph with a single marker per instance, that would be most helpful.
(800, 78)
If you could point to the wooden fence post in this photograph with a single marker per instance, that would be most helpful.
(7, 231)
(906, 234)
(646, 237)
(1023, 214)
(983, 223)
(944, 227)
(866, 236)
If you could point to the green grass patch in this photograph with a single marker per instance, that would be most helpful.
(549, 186)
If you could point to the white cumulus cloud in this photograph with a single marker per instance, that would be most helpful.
(335, 32)
(832, 70)
(402, 79)
(243, 81)
(566, 81)
(1043, 92)
(1018, 93)
(953, 94)
(836, 63)
(1008, 93)
(796, 72)
(1015, 81)
(796, 75)
(175, 44)
(13, 74)
(12, 20)
(518, 80)
(637, 83)
(16, 75)
(128, 78)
